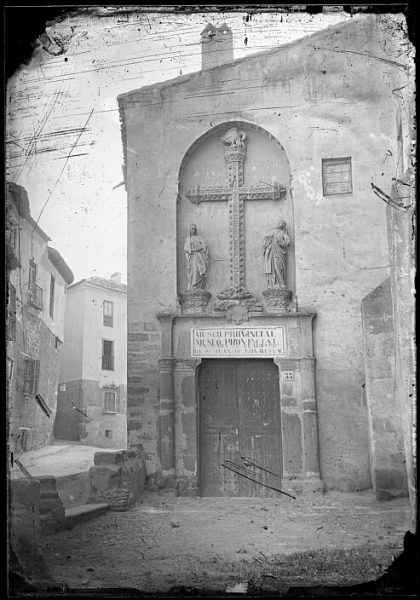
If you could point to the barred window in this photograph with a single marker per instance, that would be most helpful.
(336, 176)
(108, 313)
(111, 400)
(107, 355)
(31, 378)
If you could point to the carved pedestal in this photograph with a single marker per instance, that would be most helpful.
(277, 300)
(194, 301)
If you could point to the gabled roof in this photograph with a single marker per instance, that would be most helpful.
(61, 265)
(101, 282)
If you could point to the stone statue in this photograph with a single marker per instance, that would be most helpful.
(197, 255)
(275, 247)
(233, 137)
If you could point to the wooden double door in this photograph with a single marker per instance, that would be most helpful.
(239, 418)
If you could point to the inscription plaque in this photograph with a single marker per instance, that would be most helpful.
(238, 342)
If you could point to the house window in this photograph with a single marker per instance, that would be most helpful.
(111, 400)
(31, 378)
(107, 355)
(32, 274)
(336, 176)
(34, 291)
(11, 313)
(108, 313)
(52, 289)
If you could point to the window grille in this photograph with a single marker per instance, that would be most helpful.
(336, 176)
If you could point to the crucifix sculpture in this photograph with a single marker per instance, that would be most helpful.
(235, 194)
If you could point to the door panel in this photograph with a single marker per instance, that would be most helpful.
(239, 417)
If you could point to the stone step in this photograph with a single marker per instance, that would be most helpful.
(83, 513)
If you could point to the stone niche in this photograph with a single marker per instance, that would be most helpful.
(257, 168)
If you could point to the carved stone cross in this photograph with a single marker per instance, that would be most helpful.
(235, 194)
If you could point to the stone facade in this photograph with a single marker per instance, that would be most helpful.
(326, 97)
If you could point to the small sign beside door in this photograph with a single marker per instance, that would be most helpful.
(288, 375)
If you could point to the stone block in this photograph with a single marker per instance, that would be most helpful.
(118, 478)
(25, 558)
(390, 483)
(51, 508)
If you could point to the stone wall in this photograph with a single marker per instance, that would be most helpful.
(34, 338)
(402, 235)
(118, 478)
(95, 430)
(388, 470)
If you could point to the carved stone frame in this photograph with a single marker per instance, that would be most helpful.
(179, 395)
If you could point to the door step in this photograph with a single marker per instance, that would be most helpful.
(83, 513)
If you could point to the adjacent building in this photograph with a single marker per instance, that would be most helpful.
(37, 277)
(238, 352)
(92, 403)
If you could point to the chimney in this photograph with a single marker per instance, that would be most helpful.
(216, 46)
(116, 277)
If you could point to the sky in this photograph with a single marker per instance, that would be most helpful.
(63, 131)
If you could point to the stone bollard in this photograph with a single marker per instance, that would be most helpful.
(117, 478)
(51, 508)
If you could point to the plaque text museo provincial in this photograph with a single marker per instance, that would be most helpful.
(238, 341)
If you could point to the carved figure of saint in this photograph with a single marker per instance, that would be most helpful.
(197, 255)
(275, 247)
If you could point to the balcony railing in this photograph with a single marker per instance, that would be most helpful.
(35, 296)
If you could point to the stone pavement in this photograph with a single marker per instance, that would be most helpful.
(166, 541)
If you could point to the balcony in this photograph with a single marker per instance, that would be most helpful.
(35, 296)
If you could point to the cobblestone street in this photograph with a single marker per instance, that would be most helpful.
(211, 543)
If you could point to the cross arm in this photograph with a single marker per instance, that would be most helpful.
(199, 194)
(262, 192)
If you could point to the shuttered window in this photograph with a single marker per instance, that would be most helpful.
(107, 355)
(108, 313)
(11, 313)
(111, 400)
(52, 290)
(31, 377)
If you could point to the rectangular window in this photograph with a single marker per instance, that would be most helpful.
(11, 313)
(336, 176)
(32, 275)
(31, 378)
(107, 355)
(52, 289)
(108, 313)
(111, 400)
(34, 291)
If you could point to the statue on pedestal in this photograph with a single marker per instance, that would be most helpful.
(195, 298)
(197, 255)
(275, 246)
